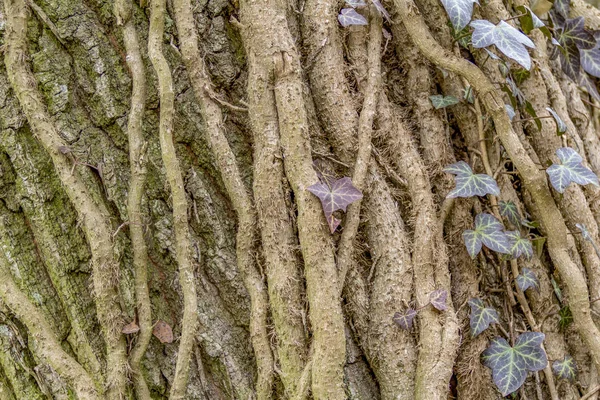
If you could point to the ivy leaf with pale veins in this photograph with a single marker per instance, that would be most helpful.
(584, 232)
(590, 85)
(527, 279)
(469, 184)
(505, 37)
(459, 12)
(510, 364)
(356, 3)
(438, 298)
(570, 170)
(519, 246)
(510, 111)
(338, 196)
(562, 7)
(590, 58)
(488, 231)
(349, 16)
(565, 368)
(405, 319)
(509, 210)
(561, 127)
(573, 32)
(481, 316)
(382, 10)
(441, 101)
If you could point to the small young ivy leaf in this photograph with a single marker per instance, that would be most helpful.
(538, 244)
(527, 279)
(488, 231)
(570, 170)
(481, 317)
(469, 184)
(349, 16)
(338, 196)
(510, 364)
(356, 3)
(405, 319)
(440, 101)
(459, 12)
(565, 368)
(510, 111)
(507, 39)
(508, 210)
(519, 246)
(561, 127)
(438, 298)
(382, 10)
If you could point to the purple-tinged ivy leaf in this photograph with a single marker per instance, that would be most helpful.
(589, 84)
(561, 127)
(519, 246)
(590, 58)
(488, 231)
(481, 317)
(438, 298)
(459, 12)
(469, 184)
(382, 10)
(441, 101)
(505, 37)
(510, 364)
(562, 7)
(356, 3)
(570, 61)
(508, 210)
(574, 33)
(349, 16)
(338, 196)
(570, 170)
(527, 279)
(565, 368)
(405, 319)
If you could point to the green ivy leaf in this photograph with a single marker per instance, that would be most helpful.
(469, 184)
(529, 21)
(510, 364)
(561, 127)
(527, 279)
(565, 318)
(405, 319)
(509, 40)
(519, 246)
(488, 231)
(570, 170)
(565, 368)
(508, 210)
(481, 317)
(440, 101)
(531, 111)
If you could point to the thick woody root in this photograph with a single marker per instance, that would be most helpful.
(180, 217)
(123, 11)
(46, 343)
(95, 217)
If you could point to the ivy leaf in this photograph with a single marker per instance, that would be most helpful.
(590, 58)
(481, 317)
(562, 7)
(590, 85)
(405, 319)
(469, 184)
(338, 196)
(531, 111)
(518, 245)
(565, 368)
(573, 33)
(382, 10)
(459, 12)
(530, 21)
(438, 299)
(584, 232)
(356, 3)
(561, 127)
(349, 16)
(510, 364)
(570, 61)
(488, 231)
(507, 39)
(570, 170)
(508, 210)
(440, 101)
(527, 279)
(510, 111)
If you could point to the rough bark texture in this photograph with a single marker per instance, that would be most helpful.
(154, 166)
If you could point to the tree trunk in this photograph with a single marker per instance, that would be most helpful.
(159, 238)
